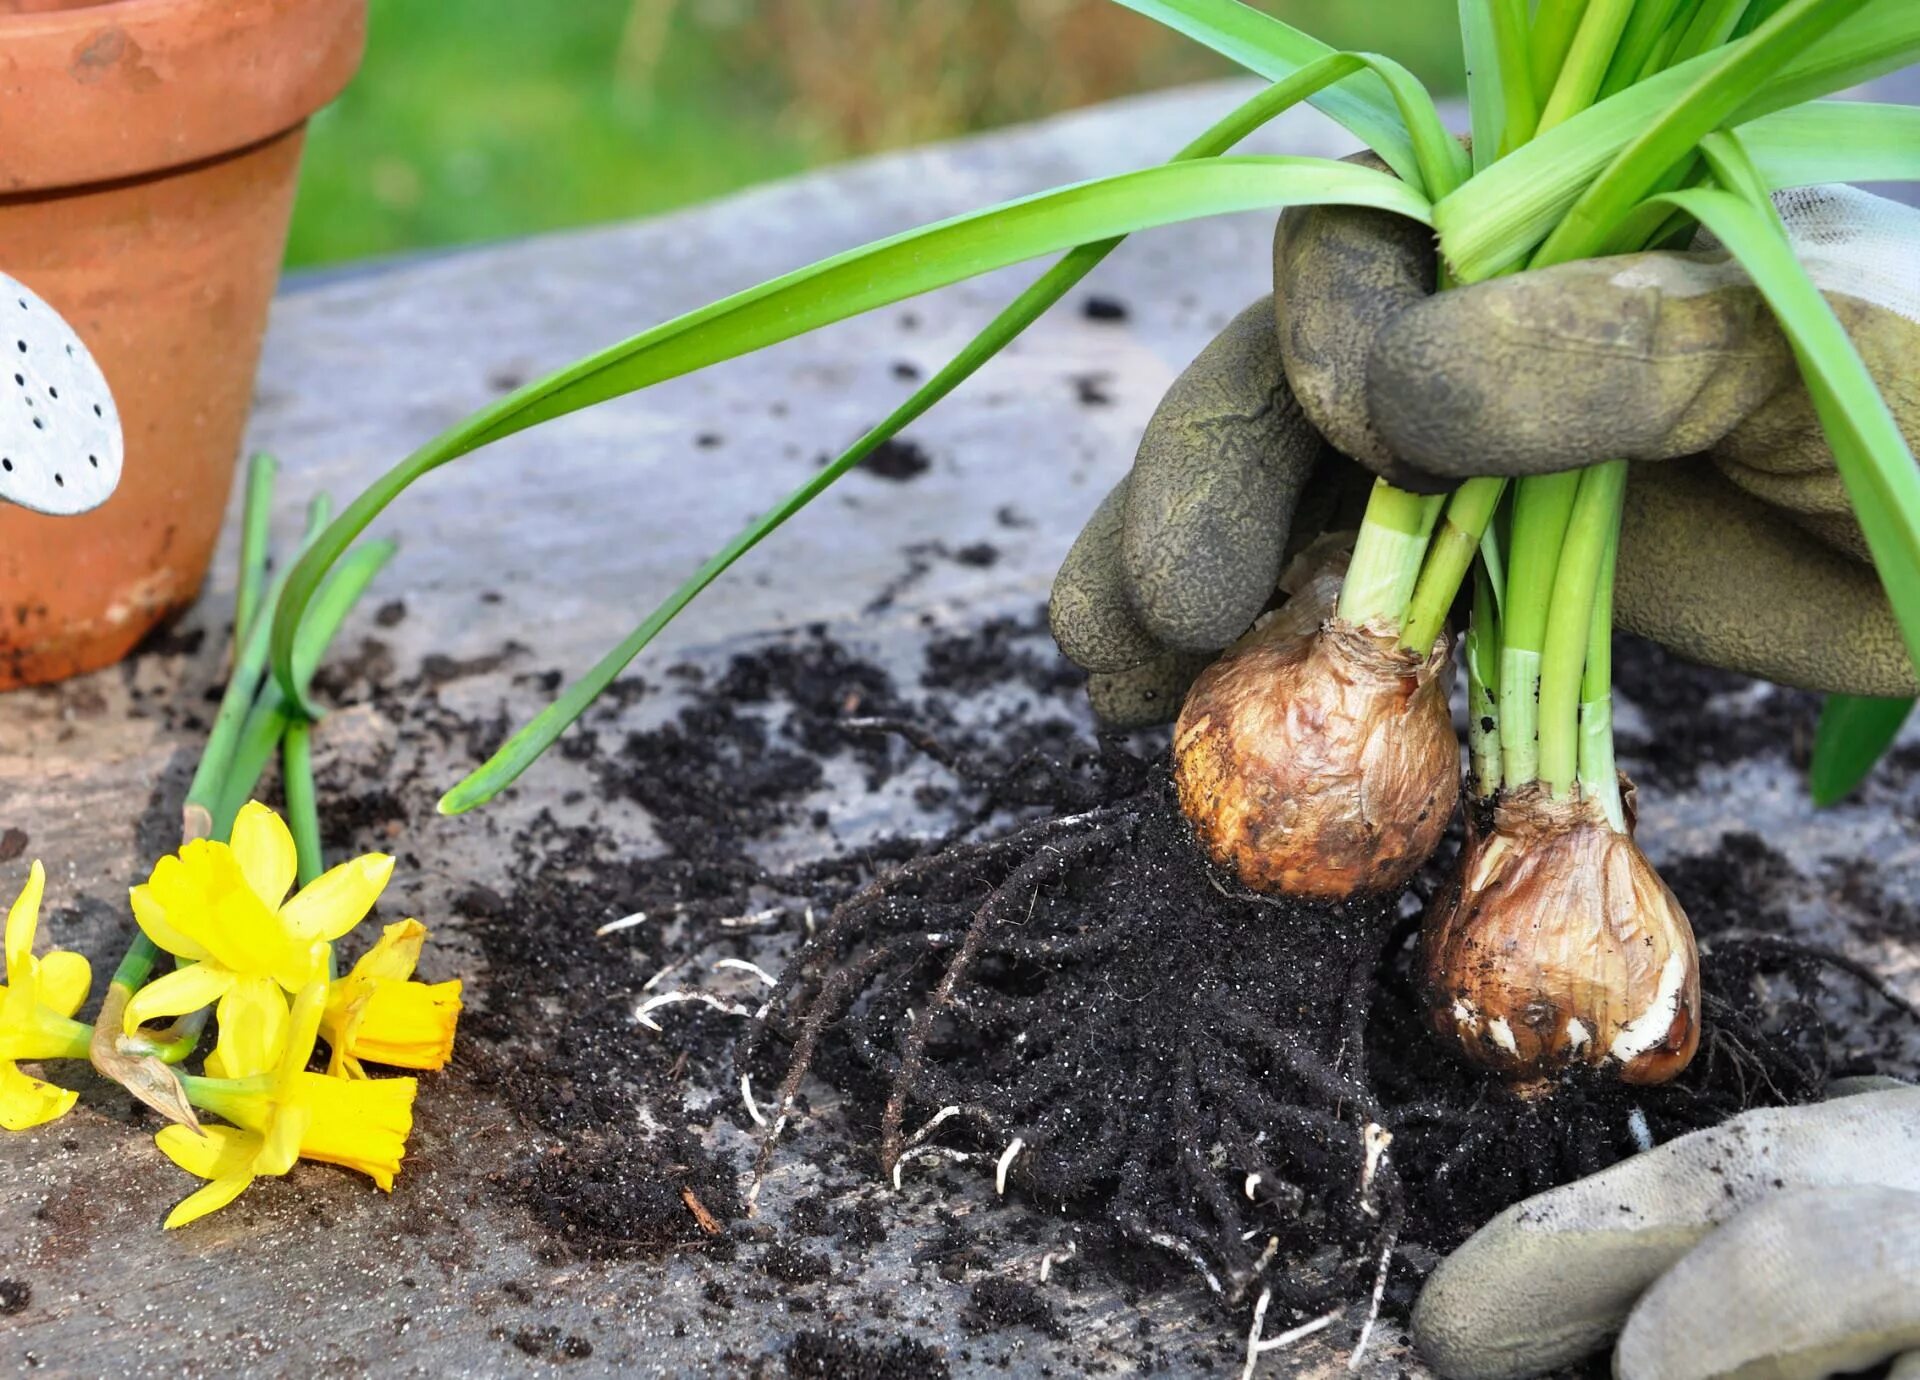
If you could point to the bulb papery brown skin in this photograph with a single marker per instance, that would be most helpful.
(1316, 758)
(1556, 945)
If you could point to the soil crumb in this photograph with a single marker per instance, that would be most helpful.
(837, 1356)
(898, 460)
(1699, 717)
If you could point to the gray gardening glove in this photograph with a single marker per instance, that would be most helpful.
(1784, 1243)
(1743, 556)
(1185, 552)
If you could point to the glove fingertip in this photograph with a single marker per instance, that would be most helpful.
(1213, 491)
(1088, 612)
(1146, 695)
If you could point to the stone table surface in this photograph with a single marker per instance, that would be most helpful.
(559, 538)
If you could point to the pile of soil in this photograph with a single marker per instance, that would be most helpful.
(1193, 1076)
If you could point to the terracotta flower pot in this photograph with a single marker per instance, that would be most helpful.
(146, 180)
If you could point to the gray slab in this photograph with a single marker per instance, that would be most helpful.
(561, 538)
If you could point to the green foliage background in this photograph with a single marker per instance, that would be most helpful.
(481, 119)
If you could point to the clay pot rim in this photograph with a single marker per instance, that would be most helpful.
(125, 88)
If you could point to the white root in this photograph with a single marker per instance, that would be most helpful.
(1373, 1305)
(1377, 1138)
(920, 1135)
(1007, 1157)
(1637, 1128)
(929, 1152)
(1053, 1258)
(744, 966)
(1190, 1255)
(625, 922)
(1258, 1346)
(643, 1013)
(746, 1096)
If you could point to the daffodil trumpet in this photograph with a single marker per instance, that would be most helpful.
(378, 1014)
(1317, 757)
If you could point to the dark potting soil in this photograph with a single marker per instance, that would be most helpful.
(1190, 1073)
(1698, 717)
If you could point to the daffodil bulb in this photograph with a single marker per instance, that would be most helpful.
(1316, 757)
(1557, 945)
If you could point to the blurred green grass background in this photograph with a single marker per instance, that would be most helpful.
(481, 119)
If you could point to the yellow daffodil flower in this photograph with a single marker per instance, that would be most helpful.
(281, 1112)
(377, 1012)
(225, 909)
(36, 1010)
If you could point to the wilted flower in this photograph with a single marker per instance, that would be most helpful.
(225, 908)
(377, 1012)
(36, 1010)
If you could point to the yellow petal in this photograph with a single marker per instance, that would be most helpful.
(211, 1198)
(26, 1102)
(336, 901)
(264, 849)
(394, 958)
(253, 1030)
(221, 1153)
(22, 917)
(163, 905)
(303, 1029)
(246, 935)
(183, 990)
(64, 979)
(282, 1145)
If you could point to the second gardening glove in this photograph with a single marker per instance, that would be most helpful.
(1738, 550)
(1784, 1243)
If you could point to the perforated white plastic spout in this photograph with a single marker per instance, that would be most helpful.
(60, 440)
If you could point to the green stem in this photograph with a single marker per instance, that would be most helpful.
(1386, 556)
(77, 1034)
(1587, 61)
(236, 1099)
(1542, 506)
(1449, 557)
(207, 791)
(136, 964)
(214, 776)
(1483, 685)
(272, 711)
(303, 817)
(1576, 583)
(256, 522)
(1598, 777)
